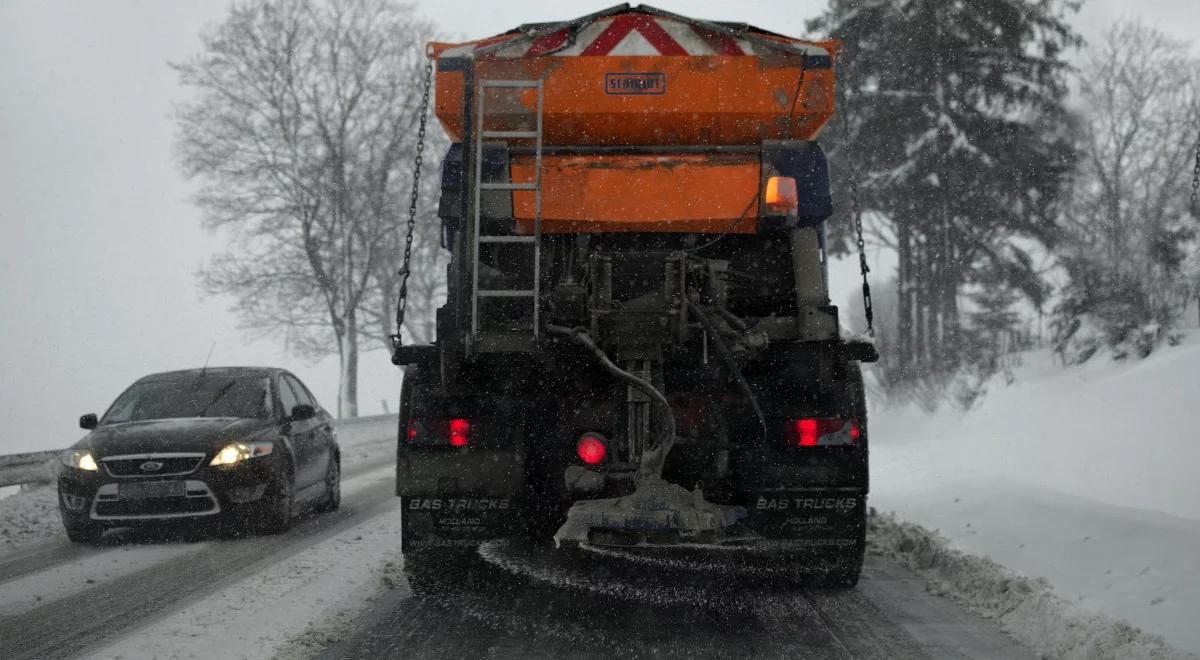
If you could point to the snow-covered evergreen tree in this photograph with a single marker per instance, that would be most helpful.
(958, 127)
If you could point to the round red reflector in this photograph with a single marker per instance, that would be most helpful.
(591, 449)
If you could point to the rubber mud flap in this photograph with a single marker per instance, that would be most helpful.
(818, 520)
(451, 521)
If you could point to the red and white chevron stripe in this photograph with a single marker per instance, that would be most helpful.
(631, 33)
(636, 34)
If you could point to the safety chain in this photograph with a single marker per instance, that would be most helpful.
(402, 303)
(855, 207)
(1196, 182)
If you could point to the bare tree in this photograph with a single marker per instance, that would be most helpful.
(302, 123)
(427, 279)
(1128, 220)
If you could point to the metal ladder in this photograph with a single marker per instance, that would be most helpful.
(479, 238)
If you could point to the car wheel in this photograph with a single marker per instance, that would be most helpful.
(82, 531)
(333, 486)
(276, 514)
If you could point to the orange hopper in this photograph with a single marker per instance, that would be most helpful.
(651, 121)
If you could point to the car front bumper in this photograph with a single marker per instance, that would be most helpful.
(206, 491)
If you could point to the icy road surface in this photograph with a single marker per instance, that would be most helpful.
(332, 587)
(513, 600)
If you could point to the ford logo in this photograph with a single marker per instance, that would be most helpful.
(150, 466)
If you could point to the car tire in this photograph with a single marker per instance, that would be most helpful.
(333, 486)
(278, 510)
(82, 531)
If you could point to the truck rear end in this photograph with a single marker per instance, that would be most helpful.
(638, 346)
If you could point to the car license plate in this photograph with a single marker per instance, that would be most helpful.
(152, 489)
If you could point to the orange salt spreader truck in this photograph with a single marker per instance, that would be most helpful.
(637, 347)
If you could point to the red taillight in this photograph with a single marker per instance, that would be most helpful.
(435, 432)
(591, 449)
(822, 432)
(807, 432)
(460, 430)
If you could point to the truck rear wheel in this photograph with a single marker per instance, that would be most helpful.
(844, 573)
(440, 571)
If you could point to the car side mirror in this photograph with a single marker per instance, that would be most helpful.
(303, 411)
(88, 421)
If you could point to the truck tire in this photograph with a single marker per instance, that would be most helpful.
(437, 572)
(842, 573)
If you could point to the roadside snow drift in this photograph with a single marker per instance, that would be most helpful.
(1084, 476)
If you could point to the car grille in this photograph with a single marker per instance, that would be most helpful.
(195, 499)
(156, 506)
(138, 465)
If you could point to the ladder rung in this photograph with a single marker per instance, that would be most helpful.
(505, 293)
(515, 135)
(508, 186)
(521, 84)
(506, 239)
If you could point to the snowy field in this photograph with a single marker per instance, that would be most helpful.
(1083, 476)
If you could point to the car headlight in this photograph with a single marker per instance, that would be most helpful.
(80, 459)
(236, 452)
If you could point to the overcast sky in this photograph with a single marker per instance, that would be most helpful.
(100, 245)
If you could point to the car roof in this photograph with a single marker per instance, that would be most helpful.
(243, 372)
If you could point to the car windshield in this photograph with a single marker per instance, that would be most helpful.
(199, 396)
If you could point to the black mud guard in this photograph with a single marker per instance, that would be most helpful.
(810, 520)
(454, 521)
(452, 499)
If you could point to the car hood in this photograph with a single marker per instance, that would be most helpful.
(200, 434)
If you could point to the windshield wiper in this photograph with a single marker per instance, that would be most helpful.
(220, 393)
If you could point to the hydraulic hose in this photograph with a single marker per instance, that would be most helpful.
(652, 461)
(711, 329)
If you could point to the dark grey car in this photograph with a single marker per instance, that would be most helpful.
(247, 446)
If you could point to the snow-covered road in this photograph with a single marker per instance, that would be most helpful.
(142, 596)
(334, 586)
(513, 600)
(1082, 476)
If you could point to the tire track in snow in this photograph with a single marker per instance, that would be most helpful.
(71, 626)
(360, 458)
(515, 599)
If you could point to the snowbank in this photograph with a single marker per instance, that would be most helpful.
(29, 515)
(1026, 608)
(1083, 476)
